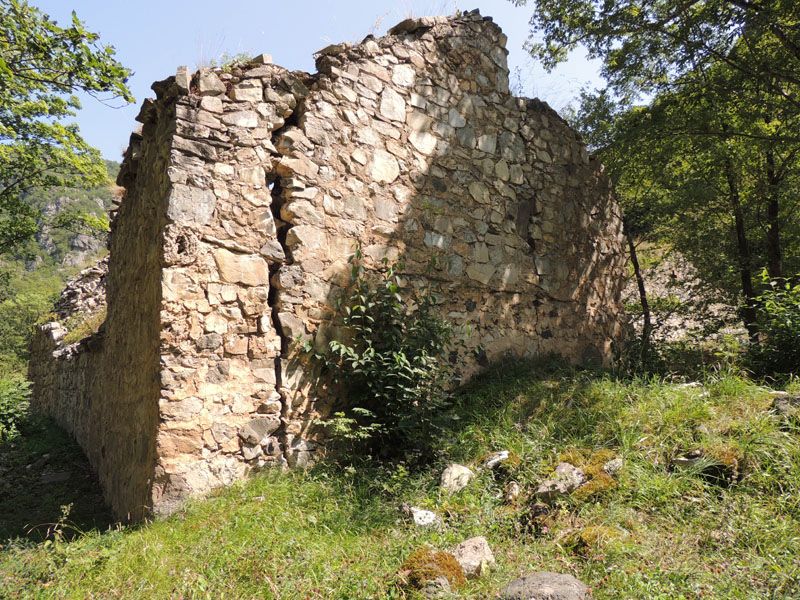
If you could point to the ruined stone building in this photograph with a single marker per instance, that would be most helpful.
(247, 190)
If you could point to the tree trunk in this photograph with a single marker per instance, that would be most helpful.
(774, 259)
(647, 327)
(745, 258)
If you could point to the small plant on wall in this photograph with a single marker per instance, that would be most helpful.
(392, 365)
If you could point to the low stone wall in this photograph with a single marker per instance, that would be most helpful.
(247, 191)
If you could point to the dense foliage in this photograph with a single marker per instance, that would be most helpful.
(391, 363)
(778, 352)
(42, 66)
(14, 393)
(709, 165)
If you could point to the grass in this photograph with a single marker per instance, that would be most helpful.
(337, 531)
(83, 325)
(41, 471)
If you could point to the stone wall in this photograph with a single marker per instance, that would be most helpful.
(247, 191)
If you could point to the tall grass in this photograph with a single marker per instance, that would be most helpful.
(333, 532)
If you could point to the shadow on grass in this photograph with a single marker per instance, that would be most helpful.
(47, 487)
(510, 395)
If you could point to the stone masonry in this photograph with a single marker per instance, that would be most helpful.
(247, 190)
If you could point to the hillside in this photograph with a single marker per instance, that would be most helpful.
(69, 247)
(705, 504)
(32, 277)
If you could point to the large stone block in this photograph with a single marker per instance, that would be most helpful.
(248, 269)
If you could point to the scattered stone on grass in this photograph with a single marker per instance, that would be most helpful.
(434, 574)
(55, 477)
(425, 518)
(495, 459)
(592, 538)
(437, 589)
(567, 479)
(786, 405)
(613, 467)
(720, 465)
(455, 478)
(511, 492)
(545, 586)
(475, 556)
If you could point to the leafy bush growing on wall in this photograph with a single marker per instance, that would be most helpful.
(391, 364)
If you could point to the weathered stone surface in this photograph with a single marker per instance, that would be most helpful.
(545, 586)
(234, 234)
(258, 431)
(190, 206)
(183, 79)
(208, 84)
(455, 478)
(425, 518)
(614, 466)
(475, 556)
(249, 90)
(496, 459)
(787, 406)
(566, 480)
(248, 269)
(423, 141)
(383, 168)
(392, 105)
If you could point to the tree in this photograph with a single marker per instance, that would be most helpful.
(726, 202)
(719, 139)
(42, 66)
(647, 46)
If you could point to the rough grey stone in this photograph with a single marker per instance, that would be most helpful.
(257, 431)
(437, 589)
(183, 79)
(188, 205)
(208, 84)
(455, 478)
(392, 105)
(475, 556)
(496, 459)
(613, 467)
(567, 478)
(545, 586)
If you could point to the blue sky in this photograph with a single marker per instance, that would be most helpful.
(154, 37)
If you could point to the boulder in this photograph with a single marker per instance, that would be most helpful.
(475, 556)
(545, 586)
(567, 479)
(455, 478)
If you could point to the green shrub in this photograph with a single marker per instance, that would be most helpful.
(392, 364)
(82, 325)
(14, 393)
(778, 350)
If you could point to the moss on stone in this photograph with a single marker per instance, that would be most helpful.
(584, 457)
(83, 325)
(591, 463)
(425, 565)
(592, 538)
(599, 483)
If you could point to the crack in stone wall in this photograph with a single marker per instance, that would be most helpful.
(247, 191)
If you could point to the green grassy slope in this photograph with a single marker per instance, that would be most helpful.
(728, 528)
